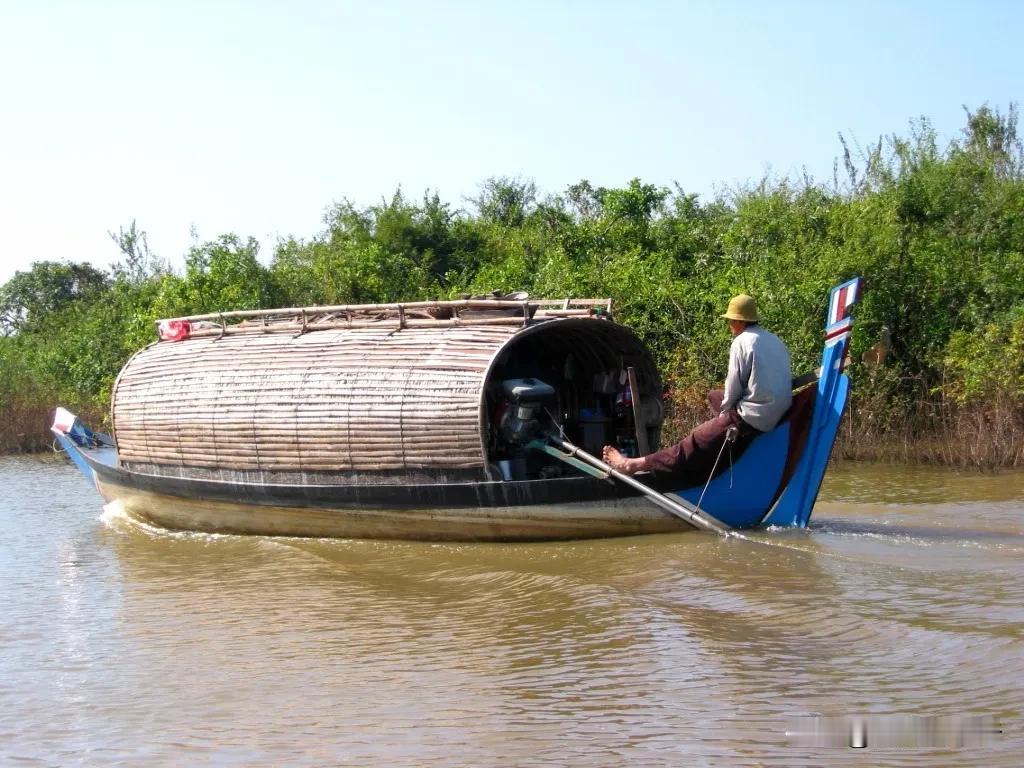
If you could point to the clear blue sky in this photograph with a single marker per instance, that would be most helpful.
(253, 117)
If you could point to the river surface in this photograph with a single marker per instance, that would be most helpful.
(901, 608)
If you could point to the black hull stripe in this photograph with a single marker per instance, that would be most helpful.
(452, 496)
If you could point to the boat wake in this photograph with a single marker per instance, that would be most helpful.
(921, 536)
(117, 518)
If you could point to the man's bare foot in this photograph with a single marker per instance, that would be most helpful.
(613, 458)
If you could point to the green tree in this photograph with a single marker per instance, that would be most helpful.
(221, 274)
(28, 298)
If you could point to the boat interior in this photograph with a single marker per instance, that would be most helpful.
(593, 382)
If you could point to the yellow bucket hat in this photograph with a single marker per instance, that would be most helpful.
(742, 307)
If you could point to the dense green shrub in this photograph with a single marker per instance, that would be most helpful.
(938, 233)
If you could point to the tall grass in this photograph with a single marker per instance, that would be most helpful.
(938, 433)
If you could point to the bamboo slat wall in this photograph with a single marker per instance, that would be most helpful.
(344, 399)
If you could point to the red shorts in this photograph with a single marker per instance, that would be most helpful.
(691, 461)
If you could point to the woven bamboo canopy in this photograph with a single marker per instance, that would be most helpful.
(388, 390)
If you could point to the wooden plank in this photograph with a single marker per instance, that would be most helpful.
(641, 429)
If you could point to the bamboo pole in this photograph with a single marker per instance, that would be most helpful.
(393, 322)
(400, 306)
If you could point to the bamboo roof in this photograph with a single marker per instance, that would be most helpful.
(335, 389)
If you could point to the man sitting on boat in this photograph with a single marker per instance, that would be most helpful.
(758, 392)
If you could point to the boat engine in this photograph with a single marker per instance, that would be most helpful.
(520, 420)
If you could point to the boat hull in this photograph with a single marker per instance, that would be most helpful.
(526, 510)
(535, 522)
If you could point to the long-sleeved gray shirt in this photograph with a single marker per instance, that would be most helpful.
(759, 384)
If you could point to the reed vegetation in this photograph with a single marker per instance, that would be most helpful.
(937, 230)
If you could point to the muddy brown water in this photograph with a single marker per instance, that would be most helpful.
(123, 645)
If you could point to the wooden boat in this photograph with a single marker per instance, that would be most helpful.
(423, 421)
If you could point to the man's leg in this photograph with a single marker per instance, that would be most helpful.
(691, 461)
